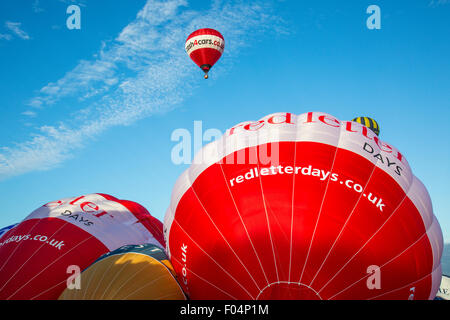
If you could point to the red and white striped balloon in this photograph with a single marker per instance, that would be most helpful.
(205, 47)
(303, 207)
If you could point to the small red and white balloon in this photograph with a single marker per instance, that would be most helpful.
(205, 47)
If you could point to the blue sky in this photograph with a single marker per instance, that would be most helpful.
(93, 110)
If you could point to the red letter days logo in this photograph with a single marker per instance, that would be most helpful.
(283, 118)
(393, 162)
(80, 207)
(184, 269)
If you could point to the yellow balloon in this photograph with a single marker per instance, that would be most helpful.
(369, 123)
(137, 272)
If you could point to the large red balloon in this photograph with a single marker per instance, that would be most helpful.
(205, 47)
(38, 256)
(303, 207)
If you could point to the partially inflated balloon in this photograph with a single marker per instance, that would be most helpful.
(205, 47)
(140, 272)
(302, 207)
(38, 256)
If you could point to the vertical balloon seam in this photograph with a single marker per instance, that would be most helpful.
(243, 224)
(347, 220)
(268, 223)
(223, 237)
(269, 133)
(321, 205)
(246, 146)
(39, 221)
(297, 129)
(276, 132)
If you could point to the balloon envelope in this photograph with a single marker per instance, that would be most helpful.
(39, 255)
(302, 207)
(138, 272)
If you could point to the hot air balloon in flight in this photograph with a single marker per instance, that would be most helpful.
(205, 47)
(302, 207)
(135, 272)
(39, 255)
(369, 123)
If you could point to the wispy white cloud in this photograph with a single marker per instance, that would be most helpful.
(37, 7)
(5, 36)
(143, 71)
(15, 28)
(29, 113)
(81, 3)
